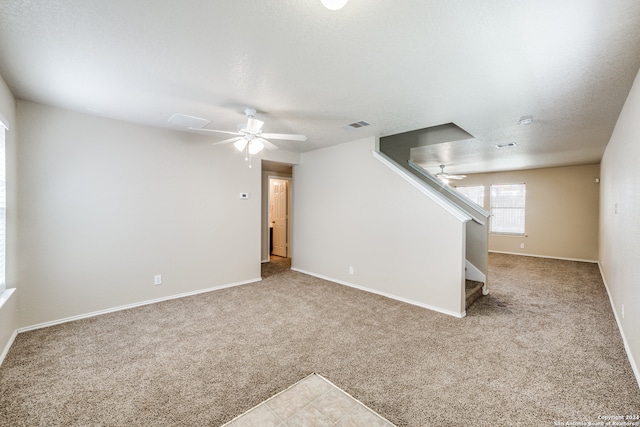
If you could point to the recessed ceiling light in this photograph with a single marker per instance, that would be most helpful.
(334, 4)
(509, 144)
(525, 120)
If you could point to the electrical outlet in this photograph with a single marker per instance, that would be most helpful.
(157, 279)
(350, 270)
(521, 245)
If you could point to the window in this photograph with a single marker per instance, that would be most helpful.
(507, 208)
(475, 193)
(3, 208)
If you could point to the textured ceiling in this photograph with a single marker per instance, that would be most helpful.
(400, 65)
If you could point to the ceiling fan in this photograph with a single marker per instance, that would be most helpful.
(250, 138)
(445, 177)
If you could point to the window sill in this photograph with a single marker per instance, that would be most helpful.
(5, 295)
(508, 234)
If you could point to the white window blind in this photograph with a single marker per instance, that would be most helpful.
(508, 208)
(3, 209)
(475, 193)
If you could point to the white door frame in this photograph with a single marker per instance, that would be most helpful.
(289, 210)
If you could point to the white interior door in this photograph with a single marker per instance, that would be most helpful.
(279, 216)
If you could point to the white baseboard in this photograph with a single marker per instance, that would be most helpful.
(632, 362)
(136, 304)
(549, 257)
(384, 294)
(8, 346)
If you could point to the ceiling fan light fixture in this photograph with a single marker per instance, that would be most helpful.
(240, 144)
(255, 146)
(334, 4)
(250, 139)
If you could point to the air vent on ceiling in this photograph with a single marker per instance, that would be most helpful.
(525, 120)
(355, 125)
(186, 121)
(509, 144)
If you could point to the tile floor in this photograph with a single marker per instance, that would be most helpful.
(311, 402)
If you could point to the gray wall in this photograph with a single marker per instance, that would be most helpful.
(106, 205)
(620, 224)
(351, 210)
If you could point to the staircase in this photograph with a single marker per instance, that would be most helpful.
(472, 291)
(395, 151)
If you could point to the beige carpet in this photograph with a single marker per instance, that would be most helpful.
(543, 347)
(276, 265)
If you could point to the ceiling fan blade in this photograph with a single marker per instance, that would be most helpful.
(456, 176)
(285, 136)
(227, 141)
(216, 131)
(268, 145)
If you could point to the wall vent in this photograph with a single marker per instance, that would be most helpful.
(355, 125)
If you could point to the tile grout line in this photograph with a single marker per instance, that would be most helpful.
(333, 423)
(272, 411)
(333, 386)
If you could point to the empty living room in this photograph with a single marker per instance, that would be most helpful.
(319, 213)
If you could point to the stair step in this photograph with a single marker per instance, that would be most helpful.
(473, 291)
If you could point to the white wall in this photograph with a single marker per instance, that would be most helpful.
(9, 310)
(351, 210)
(620, 232)
(105, 205)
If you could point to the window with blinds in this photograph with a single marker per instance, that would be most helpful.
(508, 208)
(3, 209)
(475, 193)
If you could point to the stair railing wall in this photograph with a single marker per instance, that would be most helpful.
(397, 148)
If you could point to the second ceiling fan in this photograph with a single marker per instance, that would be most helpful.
(445, 177)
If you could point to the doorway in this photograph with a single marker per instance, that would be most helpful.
(278, 217)
(277, 211)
